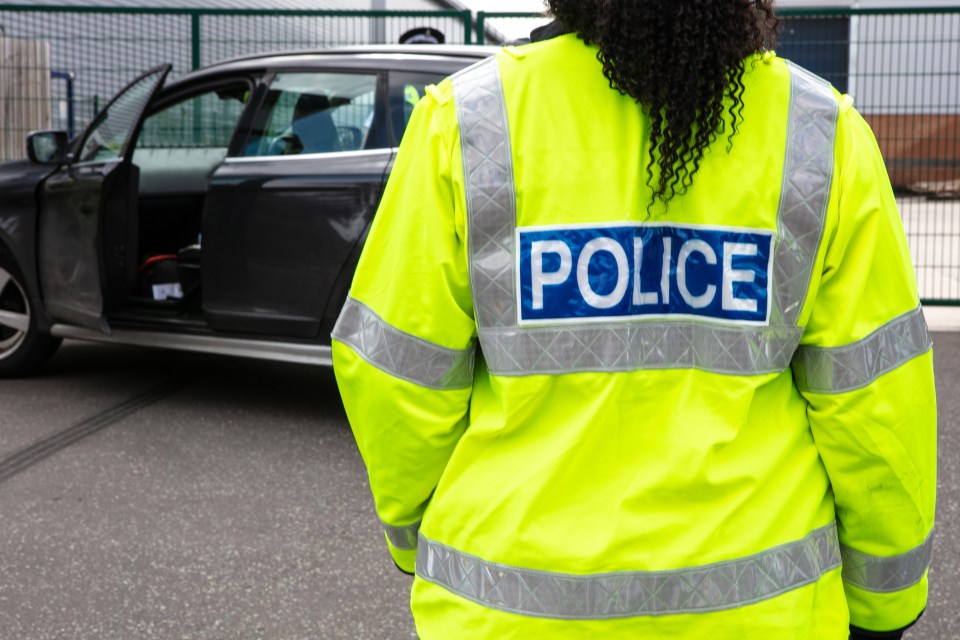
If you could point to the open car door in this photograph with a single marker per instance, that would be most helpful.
(87, 218)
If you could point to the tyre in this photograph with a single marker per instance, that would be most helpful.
(23, 347)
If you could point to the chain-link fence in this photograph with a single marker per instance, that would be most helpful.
(901, 66)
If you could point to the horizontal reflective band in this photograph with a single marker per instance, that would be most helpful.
(714, 587)
(639, 345)
(402, 538)
(401, 354)
(886, 575)
(854, 366)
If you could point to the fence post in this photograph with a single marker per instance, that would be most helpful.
(378, 24)
(195, 41)
(481, 29)
(195, 62)
(467, 27)
(68, 79)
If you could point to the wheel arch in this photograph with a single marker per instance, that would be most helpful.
(26, 265)
(21, 185)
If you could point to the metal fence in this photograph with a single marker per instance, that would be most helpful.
(94, 51)
(901, 66)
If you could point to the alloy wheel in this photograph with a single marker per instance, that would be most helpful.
(14, 314)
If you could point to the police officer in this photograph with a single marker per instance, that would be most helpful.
(634, 349)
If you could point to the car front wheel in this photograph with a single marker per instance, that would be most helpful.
(23, 347)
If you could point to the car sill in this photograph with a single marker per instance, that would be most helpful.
(261, 349)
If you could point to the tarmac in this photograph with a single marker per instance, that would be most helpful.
(152, 494)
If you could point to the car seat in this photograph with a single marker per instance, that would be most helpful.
(313, 124)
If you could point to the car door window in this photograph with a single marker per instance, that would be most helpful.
(406, 89)
(204, 121)
(181, 144)
(108, 135)
(306, 113)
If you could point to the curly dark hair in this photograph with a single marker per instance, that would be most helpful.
(680, 60)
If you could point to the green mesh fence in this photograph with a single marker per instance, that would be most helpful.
(93, 52)
(60, 65)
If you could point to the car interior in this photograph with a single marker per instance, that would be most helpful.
(305, 113)
(182, 144)
(177, 151)
(185, 139)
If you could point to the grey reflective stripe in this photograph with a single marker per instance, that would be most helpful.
(401, 354)
(713, 587)
(805, 193)
(856, 365)
(491, 201)
(886, 574)
(639, 344)
(402, 538)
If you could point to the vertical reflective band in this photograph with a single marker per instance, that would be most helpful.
(401, 354)
(807, 178)
(491, 200)
(886, 575)
(622, 594)
(402, 538)
(854, 366)
(637, 344)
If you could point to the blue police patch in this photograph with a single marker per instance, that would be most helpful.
(592, 273)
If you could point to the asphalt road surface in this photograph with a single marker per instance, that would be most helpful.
(147, 494)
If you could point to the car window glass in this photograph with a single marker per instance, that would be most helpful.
(112, 127)
(314, 113)
(204, 121)
(180, 145)
(406, 89)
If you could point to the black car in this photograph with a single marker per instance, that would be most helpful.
(224, 212)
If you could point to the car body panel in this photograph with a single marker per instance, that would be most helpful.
(19, 181)
(279, 231)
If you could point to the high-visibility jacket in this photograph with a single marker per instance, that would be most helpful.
(583, 417)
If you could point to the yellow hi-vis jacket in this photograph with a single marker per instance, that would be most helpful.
(583, 421)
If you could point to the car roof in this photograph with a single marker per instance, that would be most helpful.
(382, 57)
(417, 50)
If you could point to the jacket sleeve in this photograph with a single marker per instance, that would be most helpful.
(403, 346)
(865, 367)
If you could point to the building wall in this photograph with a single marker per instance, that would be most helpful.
(24, 93)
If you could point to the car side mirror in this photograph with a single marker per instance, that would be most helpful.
(47, 147)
